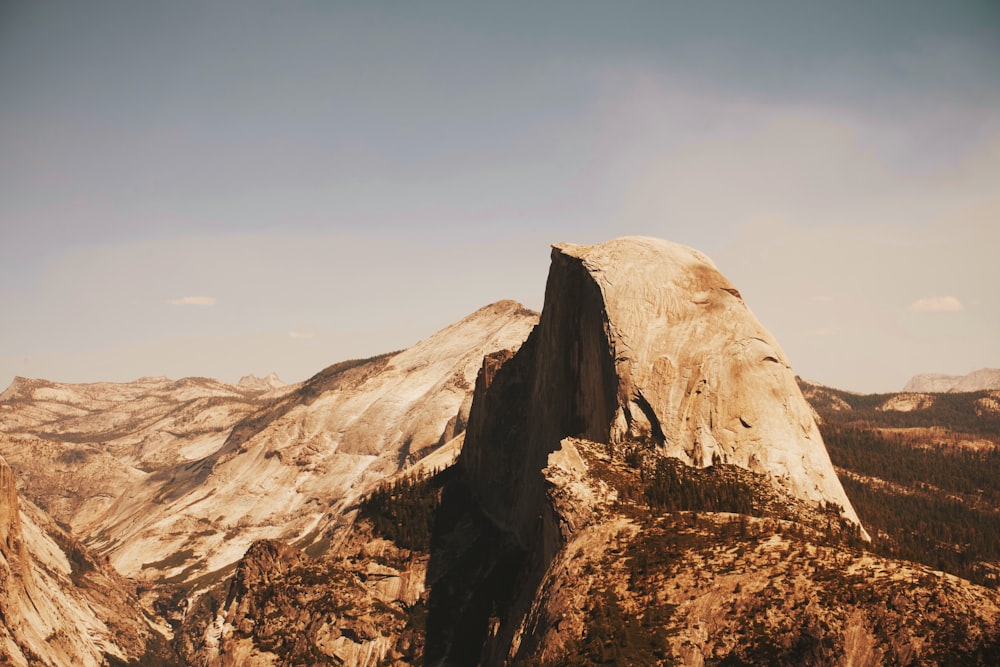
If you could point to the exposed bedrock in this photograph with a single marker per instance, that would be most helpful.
(640, 341)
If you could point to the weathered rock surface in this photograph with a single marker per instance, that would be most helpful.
(697, 373)
(78, 447)
(176, 479)
(641, 344)
(984, 378)
(907, 402)
(61, 606)
(272, 381)
(361, 606)
(637, 587)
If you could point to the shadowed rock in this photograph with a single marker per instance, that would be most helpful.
(640, 342)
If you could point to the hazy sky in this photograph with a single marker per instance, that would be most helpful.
(225, 188)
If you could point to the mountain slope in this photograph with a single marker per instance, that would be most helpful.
(923, 471)
(104, 438)
(688, 580)
(175, 480)
(577, 531)
(60, 605)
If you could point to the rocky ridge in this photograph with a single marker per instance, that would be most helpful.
(59, 604)
(984, 378)
(175, 480)
(268, 383)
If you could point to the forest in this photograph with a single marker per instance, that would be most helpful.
(404, 509)
(935, 505)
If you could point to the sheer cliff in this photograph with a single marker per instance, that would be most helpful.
(643, 341)
(59, 604)
(642, 346)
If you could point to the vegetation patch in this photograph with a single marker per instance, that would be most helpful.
(940, 508)
(403, 511)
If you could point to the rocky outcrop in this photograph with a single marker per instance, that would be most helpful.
(984, 378)
(10, 518)
(708, 588)
(254, 383)
(283, 607)
(60, 605)
(642, 341)
(697, 373)
(641, 344)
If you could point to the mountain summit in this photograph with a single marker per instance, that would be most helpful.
(643, 350)
(644, 341)
(268, 383)
(696, 371)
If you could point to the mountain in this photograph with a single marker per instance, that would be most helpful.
(642, 482)
(272, 381)
(984, 378)
(173, 481)
(59, 604)
(193, 486)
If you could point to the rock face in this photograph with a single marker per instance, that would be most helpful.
(282, 607)
(642, 344)
(642, 340)
(272, 381)
(176, 479)
(10, 519)
(984, 378)
(698, 373)
(59, 605)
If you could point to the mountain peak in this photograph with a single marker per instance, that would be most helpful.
(21, 387)
(267, 383)
(650, 343)
(642, 347)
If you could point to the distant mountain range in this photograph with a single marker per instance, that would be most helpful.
(984, 378)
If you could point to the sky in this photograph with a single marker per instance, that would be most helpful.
(224, 188)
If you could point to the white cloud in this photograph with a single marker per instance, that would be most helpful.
(301, 335)
(193, 301)
(936, 304)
